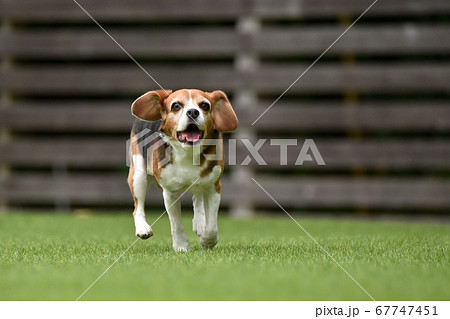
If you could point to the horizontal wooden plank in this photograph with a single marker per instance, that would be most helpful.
(390, 39)
(114, 116)
(366, 116)
(142, 11)
(408, 193)
(271, 78)
(337, 154)
(331, 8)
(82, 116)
(346, 192)
(139, 42)
(121, 10)
(81, 189)
(112, 79)
(78, 152)
(335, 78)
(67, 43)
(356, 154)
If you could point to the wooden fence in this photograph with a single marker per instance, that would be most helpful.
(376, 105)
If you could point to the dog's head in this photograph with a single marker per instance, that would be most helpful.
(188, 116)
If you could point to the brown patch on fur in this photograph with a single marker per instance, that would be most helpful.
(218, 186)
(130, 184)
(209, 150)
(209, 167)
(159, 154)
(210, 132)
(134, 149)
(218, 148)
(170, 124)
(134, 145)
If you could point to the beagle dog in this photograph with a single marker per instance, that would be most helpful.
(173, 128)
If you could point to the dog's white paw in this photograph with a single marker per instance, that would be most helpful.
(198, 226)
(143, 230)
(184, 248)
(209, 240)
(180, 242)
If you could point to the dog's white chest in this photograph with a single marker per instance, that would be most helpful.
(182, 173)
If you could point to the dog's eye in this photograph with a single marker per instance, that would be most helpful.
(204, 106)
(176, 106)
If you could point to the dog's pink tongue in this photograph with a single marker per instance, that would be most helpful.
(191, 135)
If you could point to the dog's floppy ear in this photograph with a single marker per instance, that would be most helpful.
(147, 107)
(224, 118)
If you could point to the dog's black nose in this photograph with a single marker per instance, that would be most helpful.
(193, 113)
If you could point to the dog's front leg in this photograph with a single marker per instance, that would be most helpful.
(138, 182)
(210, 236)
(198, 222)
(173, 208)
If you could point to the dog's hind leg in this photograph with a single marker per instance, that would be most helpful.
(138, 182)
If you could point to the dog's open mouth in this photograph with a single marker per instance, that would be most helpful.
(191, 135)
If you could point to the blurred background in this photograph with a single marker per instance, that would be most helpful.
(376, 105)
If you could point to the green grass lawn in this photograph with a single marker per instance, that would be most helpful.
(56, 257)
